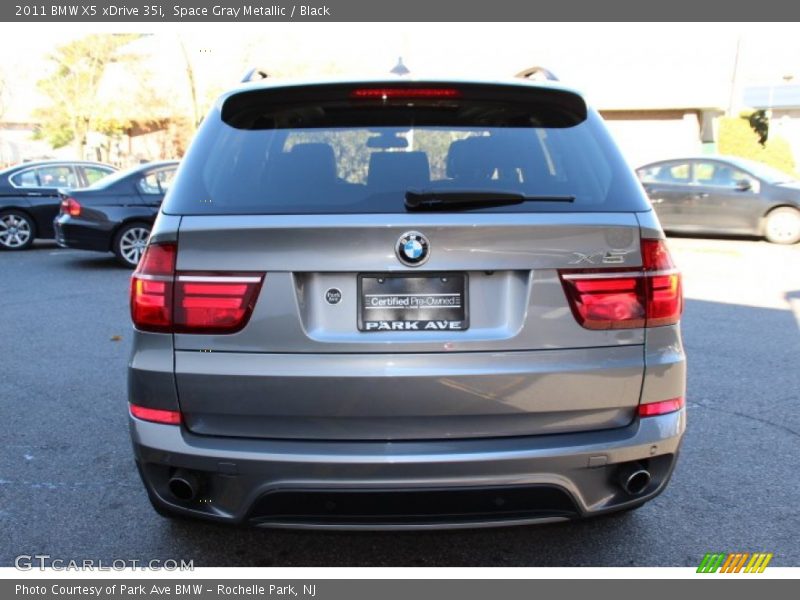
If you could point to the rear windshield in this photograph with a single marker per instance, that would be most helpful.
(264, 153)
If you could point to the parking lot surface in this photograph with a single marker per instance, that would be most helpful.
(69, 488)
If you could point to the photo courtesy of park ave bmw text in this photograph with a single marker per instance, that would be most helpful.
(370, 298)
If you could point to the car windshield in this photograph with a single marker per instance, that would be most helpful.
(325, 158)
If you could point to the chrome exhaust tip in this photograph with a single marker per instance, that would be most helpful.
(633, 478)
(183, 485)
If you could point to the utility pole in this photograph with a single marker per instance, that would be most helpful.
(192, 84)
(732, 100)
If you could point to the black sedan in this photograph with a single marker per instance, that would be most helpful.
(29, 197)
(116, 214)
(726, 195)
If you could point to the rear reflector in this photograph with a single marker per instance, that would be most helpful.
(624, 298)
(404, 93)
(653, 409)
(156, 415)
(167, 301)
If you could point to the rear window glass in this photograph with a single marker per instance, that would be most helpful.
(50, 176)
(95, 174)
(156, 182)
(678, 172)
(348, 156)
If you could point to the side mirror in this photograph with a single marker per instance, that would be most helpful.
(744, 185)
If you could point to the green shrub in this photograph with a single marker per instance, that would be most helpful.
(737, 138)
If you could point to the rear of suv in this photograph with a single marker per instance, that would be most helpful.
(399, 303)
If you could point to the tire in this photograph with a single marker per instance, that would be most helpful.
(130, 242)
(782, 226)
(17, 230)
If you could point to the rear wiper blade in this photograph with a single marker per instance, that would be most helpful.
(454, 199)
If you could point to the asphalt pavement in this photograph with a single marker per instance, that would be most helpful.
(69, 488)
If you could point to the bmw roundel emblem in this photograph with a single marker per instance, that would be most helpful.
(412, 248)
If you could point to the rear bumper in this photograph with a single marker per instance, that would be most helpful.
(375, 396)
(70, 233)
(315, 484)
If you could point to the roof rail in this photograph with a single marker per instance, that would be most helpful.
(537, 74)
(255, 74)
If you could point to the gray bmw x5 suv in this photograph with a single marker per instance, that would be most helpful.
(405, 304)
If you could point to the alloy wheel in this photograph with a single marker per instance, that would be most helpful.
(15, 231)
(132, 244)
(783, 226)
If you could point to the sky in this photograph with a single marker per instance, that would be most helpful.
(629, 65)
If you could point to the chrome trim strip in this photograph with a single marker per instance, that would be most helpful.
(218, 278)
(617, 274)
(152, 277)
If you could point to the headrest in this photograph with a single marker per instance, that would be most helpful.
(317, 159)
(471, 158)
(398, 170)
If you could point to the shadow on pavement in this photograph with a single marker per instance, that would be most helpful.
(93, 262)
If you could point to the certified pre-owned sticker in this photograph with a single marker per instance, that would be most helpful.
(333, 296)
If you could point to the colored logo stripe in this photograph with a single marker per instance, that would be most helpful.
(758, 563)
(733, 563)
(711, 562)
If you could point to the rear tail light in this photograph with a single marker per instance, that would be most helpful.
(165, 300)
(653, 409)
(214, 304)
(623, 298)
(664, 290)
(151, 288)
(71, 207)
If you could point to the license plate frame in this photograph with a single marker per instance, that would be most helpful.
(424, 297)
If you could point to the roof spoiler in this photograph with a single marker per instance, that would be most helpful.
(255, 74)
(537, 74)
(260, 107)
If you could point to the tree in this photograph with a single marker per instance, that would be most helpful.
(738, 137)
(759, 121)
(74, 108)
(192, 84)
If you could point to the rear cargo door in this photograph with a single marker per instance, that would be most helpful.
(376, 321)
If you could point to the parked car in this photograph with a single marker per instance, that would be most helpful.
(728, 195)
(117, 213)
(29, 197)
(408, 304)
